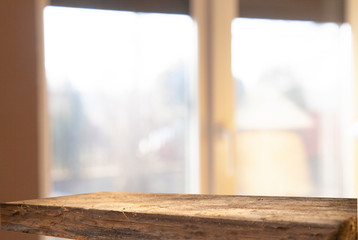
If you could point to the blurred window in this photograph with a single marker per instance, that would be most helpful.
(123, 97)
(293, 107)
(120, 100)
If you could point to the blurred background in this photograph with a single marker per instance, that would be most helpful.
(251, 97)
(123, 95)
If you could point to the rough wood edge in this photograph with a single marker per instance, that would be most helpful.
(348, 229)
(345, 230)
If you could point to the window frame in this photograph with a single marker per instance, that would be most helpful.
(215, 80)
(307, 10)
(156, 6)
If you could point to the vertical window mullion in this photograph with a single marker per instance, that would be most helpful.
(224, 143)
(216, 95)
(352, 17)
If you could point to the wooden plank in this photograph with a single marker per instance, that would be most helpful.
(183, 216)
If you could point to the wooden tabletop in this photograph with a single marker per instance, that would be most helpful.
(108, 215)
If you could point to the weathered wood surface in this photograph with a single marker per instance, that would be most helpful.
(176, 216)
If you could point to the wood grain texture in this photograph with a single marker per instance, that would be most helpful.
(183, 216)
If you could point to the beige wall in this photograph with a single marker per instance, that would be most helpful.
(22, 128)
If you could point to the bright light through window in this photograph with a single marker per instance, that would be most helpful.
(121, 102)
(293, 107)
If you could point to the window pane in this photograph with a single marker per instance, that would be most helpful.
(293, 107)
(120, 98)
